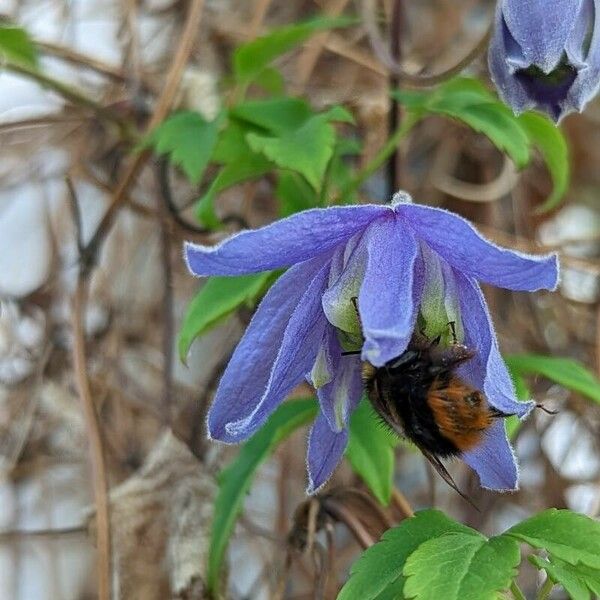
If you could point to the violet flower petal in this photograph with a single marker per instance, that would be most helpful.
(325, 450)
(486, 371)
(541, 28)
(282, 243)
(493, 460)
(465, 249)
(247, 376)
(387, 302)
(297, 352)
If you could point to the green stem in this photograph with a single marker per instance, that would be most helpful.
(67, 92)
(516, 591)
(544, 591)
(383, 155)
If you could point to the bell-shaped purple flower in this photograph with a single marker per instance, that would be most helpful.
(402, 262)
(545, 54)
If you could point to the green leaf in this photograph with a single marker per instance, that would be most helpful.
(565, 371)
(271, 80)
(381, 565)
(294, 193)
(16, 46)
(394, 591)
(468, 100)
(461, 566)
(566, 535)
(251, 59)
(188, 140)
(553, 147)
(276, 115)
(217, 299)
(579, 581)
(251, 166)
(306, 150)
(371, 452)
(236, 479)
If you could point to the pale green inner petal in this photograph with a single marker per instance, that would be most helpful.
(341, 395)
(320, 374)
(337, 299)
(439, 303)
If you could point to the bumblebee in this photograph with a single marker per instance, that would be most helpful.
(420, 397)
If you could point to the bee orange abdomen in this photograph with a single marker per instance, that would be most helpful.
(461, 412)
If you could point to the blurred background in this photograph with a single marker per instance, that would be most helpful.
(110, 342)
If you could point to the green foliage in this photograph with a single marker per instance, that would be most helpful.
(236, 479)
(579, 581)
(306, 150)
(565, 371)
(217, 299)
(188, 140)
(553, 147)
(382, 565)
(461, 566)
(250, 60)
(16, 46)
(264, 135)
(430, 556)
(469, 101)
(294, 193)
(565, 535)
(371, 452)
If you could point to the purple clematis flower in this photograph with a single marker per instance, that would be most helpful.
(403, 262)
(546, 54)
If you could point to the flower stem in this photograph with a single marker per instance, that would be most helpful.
(516, 591)
(544, 591)
(382, 156)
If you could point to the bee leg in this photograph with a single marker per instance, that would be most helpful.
(351, 352)
(437, 464)
(452, 325)
(547, 410)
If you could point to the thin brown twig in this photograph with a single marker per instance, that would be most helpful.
(103, 560)
(163, 105)
(382, 52)
(402, 504)
(19, 534)
(345, 516)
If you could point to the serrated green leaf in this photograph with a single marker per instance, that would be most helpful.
(381, 565)
(276, 115)
(17, 47)
(459, 566)
(371, 452)
(217, 299)
(565, 371)
(552, 145)
(250, 59)
(579, 581)
(236, 479)
(566, 535)
(306, 150)
(188, 139)
(294, 194)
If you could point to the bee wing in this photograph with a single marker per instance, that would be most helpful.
(438, 465)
